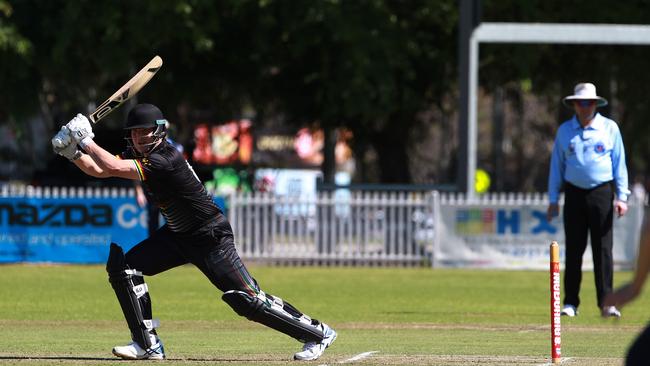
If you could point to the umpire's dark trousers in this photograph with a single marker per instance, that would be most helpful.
(588, 211)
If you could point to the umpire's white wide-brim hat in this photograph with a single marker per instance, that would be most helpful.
(584, 91)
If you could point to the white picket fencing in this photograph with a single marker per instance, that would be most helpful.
(500, 230)
(356, 228)
(388, 228)
(20, 190)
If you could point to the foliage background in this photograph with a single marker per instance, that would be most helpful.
(387, 70)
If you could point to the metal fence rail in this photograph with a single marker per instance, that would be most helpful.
(340, 227)
(344, 227)
(19, 190)
(371, 228)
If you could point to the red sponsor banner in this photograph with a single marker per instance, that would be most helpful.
(225, 144)
(238, 143)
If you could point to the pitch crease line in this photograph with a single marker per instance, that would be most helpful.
(358, 357)
(551, 363)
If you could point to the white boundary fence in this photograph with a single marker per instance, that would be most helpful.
(12, 190)
(360, 228)
(345, 227)
(412, 228)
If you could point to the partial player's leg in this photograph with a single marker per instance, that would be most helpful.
(125, 273)
(225, 269)
(275, 313)
(639, 353)
(222, 265)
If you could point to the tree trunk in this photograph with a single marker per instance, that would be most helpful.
(329, 160)
(390, 145)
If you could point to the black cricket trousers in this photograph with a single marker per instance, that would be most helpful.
(588, 211)
(210, 248)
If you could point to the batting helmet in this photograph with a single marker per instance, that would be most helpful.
(146, 116)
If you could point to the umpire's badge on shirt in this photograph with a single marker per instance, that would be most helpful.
(145, 161)
(599, 148)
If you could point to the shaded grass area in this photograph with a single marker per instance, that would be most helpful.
(68, 315)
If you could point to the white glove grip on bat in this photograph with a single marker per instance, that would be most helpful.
(80, 130)
(62, 138)
(63, 145)
(69, 152)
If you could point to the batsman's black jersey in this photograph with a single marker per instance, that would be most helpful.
(172, 185)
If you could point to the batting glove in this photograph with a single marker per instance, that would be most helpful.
(63, 145)
(62, 138)
(80, 130)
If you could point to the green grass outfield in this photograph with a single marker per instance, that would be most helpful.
(67, 315)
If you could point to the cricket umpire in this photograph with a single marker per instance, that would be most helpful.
(196, 231)
(588, 161)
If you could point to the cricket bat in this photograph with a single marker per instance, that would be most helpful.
(129, 89)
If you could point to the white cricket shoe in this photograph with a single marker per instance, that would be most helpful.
(313, 350)
(569, 310)
(133, 351)
(610, 311)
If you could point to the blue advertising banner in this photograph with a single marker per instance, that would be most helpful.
(68, 230)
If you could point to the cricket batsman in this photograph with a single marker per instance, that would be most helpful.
(196, 231)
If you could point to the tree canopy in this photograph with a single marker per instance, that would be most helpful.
(384, 69)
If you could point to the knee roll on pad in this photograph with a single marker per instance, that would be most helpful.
(133, 295)
(274, 313)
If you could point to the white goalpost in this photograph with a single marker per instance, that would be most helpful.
(549, 33)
